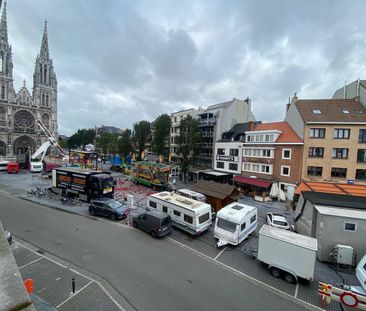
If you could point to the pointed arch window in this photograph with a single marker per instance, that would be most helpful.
(42, 99)
(1, 62)
(41, 72)
(45, 74)
(47, 102)
(2, 92)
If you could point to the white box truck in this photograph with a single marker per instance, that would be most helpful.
(289, 255)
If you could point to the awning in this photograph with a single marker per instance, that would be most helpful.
(253, 181)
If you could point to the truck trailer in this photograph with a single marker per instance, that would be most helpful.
(87, 184)
(287, 254)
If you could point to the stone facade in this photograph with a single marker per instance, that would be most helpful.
(19, 134)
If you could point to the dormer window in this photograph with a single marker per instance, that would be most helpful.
(345, 111)
(316, 111)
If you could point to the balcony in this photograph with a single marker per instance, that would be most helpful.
(204, 122)
(207, 134)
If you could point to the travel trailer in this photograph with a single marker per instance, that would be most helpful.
(189, 215)
(192, 195)
(234, 223)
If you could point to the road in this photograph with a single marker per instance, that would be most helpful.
(150, 274)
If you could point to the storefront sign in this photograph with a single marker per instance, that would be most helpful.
(226, 158)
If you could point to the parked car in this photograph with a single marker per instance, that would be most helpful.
(108, 208)
(277, 220)
(156, 223)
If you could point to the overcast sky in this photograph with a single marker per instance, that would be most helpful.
(118, 62)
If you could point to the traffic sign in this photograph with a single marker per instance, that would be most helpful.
(349, 299)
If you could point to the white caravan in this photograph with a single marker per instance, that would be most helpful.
(187, 214)
(234, 223)
(192, 195)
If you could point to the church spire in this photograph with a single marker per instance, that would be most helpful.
(4, 26)
(44, 45)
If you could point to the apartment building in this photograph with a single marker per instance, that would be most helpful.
(354, 90)
(217, 119)
(273, 152)
(334, 135)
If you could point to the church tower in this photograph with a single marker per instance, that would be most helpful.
(45, 86)
(6, 63)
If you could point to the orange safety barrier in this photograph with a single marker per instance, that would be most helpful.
(28, 283)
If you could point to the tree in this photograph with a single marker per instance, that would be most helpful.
(188, 140)
(141, 135)
(81, 138)
(104, 141)
(62, 142)
(161, 134)
(124, 144)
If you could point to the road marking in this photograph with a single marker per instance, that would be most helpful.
(29, 263)
(220, 253)
(58, 279)
(31, 250)
(77, 272)
(73, 295)
(247, 277)
(296, 289)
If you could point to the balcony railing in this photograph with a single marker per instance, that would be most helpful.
(211, 121)
(207, 134)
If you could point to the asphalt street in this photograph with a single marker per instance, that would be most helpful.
(150, 274)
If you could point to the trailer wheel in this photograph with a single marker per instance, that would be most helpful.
(289, 278)
(153, 234)
(277, 273)
(113, 217)
(92, 212)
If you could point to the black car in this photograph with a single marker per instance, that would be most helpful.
(8, 235)
(156, 223)
(108, 208)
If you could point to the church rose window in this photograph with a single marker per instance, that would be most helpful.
(24, 122)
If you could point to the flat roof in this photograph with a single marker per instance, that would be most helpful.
(340, 212)
(235, 211)
(289, 237)
(77, 170)
(326, 187)
(214, 173)
(179, 200)
(332, 199)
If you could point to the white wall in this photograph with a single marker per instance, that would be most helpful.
(234, 159)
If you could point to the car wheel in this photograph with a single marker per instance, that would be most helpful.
(153, 234)
(92, 212)
(275, 272)
(113, 217)
(134, 224)
(289, 278)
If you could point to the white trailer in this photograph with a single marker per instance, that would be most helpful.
(234, 223)
(289, 255)
(187, 214)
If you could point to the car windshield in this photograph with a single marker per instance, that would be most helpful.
(115, 204)
(280, 223)
(226, 225)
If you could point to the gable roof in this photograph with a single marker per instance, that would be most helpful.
(337, 200)
(331, 110)
(287, 135)
(214, 189)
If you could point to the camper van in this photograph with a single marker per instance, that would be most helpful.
(192, 195)
(189, 215)
(234, 223)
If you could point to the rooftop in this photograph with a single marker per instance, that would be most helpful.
(331, 110)
(287, 135)
(335, 188)
(336, 200)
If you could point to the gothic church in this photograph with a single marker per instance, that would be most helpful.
(19, 133)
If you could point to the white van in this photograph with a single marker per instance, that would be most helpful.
(192, 195)
(187, 214)
(234, 223)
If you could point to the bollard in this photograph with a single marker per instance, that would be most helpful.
(73, 285)
(28, 283)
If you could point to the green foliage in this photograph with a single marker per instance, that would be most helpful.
(124, 143)
(188, 139)
(162, 132)
(141, 135)
(106, 142)
(81, 138)
(62, 142)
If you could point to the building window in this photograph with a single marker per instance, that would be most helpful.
(285, 170)
(341, 133)
(253, 218)
(361, 155)
(152, 204)
(286, 154)
(165, 209)
(349, 226)
(233, 166)
(242, 227)
(316, 152)
(362, 136)
(220, 164)
(221, 151)
(317, 133)
(340, 153)
(315, 171)
(361, 174)
(2, 92)
(188, 219)
(338, 172)
(234, 152)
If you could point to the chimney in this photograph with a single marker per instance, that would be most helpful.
(288, 104)
(249, 103)
(358, 89)
(345, 90)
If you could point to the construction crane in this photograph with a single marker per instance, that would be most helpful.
(36, 163)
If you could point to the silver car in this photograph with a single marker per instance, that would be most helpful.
(278, 221)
